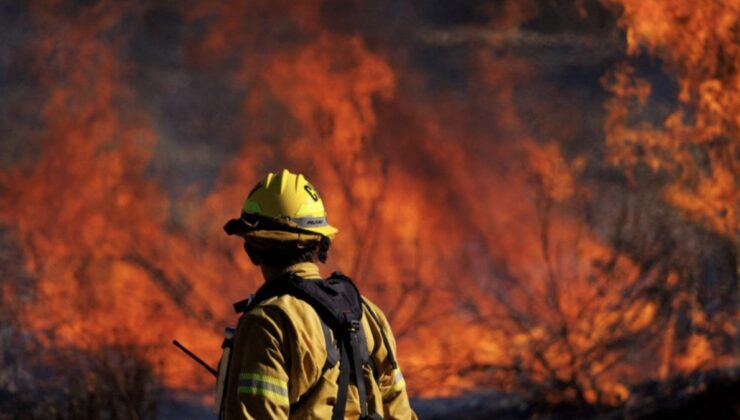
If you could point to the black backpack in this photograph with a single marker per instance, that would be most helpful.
(339, 305)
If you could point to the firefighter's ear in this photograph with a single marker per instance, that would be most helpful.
(253, 254)
(324, 248)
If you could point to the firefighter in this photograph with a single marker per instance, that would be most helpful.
(286, 358)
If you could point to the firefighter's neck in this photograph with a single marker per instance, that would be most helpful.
(306, 270)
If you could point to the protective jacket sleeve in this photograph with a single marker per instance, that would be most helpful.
(258, 378)
(391, 382)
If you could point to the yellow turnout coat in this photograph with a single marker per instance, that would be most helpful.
(279, 351)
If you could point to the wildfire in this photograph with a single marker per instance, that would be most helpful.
(472, 240)
(697, 143)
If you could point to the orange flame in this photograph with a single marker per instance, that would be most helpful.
(698, 142)
(488, 271)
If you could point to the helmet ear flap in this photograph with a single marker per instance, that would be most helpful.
(324, 248)
(253, 256)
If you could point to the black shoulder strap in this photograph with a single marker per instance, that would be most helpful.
(339, 305)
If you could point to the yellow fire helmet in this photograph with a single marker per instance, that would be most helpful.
(283, 208)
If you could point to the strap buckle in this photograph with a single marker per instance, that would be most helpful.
(354, 325)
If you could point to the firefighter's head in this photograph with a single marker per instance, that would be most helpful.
(283, 222)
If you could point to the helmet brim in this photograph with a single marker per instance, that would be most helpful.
(313, 234)
(327, 230)
(281, 239)
(266, 228)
